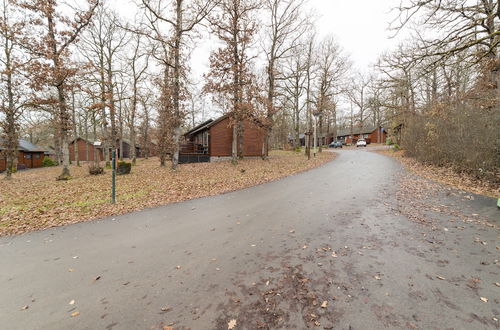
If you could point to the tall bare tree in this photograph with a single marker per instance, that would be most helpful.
(286, 27)
(11, 84)
(332, 67)
(53, 34)
(186, 16)
(230, 77)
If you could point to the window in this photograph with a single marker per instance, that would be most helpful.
(37, 156)
(27, 156)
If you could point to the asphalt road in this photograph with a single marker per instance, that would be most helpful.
(268, 257)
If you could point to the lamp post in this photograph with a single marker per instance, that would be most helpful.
(315, 141)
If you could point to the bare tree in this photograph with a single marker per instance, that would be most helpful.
(358, 93)
(187, 15)
(332, 66)
(11, 105)
(467, 27)
(286, 27)
(294, 87)
(53, 35)
(138, 63)
(230, 76)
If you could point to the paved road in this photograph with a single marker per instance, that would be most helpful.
(267, 257)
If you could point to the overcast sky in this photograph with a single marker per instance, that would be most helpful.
(360, 26)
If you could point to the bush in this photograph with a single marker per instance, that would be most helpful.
(389, 141)
(395, 146)
(95, 169)
(123, 168)
(48, 162)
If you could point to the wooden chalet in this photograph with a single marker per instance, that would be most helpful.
(370, 134)
(212, 141)
(29, 156)
(87, 150)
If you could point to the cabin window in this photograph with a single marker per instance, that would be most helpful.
(205, 138)
(27, 156)
(37, 156)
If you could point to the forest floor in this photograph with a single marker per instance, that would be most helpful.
(444, 175)
(34, 200)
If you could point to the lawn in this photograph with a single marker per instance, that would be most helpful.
(34, 200)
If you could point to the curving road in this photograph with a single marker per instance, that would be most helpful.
(268, 257)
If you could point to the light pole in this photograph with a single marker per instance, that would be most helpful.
(315, 140)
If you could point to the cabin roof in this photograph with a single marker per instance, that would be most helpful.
(24, 145)
(356, 131)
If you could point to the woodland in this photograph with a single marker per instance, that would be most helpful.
(79, 69)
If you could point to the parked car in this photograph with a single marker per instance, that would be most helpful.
(361, 143)
(335, 144)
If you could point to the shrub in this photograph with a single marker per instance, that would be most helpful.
(48, 162)
(395, 146)
(389, 142)
(95, 169)
(123, 168)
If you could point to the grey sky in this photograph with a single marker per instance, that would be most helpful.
(360, 26)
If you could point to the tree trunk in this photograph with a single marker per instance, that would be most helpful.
(234, 147)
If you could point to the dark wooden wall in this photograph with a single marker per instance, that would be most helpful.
(221, 137)
(82, 153)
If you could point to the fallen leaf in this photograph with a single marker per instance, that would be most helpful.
(292, 231)
(497, 284)
(317, 323)
(483, 299)
(75, 314)
(334, 254)
(440, 277)
(377, 277)
(71, 270)
(97, 278)
(25, 307)
(72, 302)
(166, 309)
(304, 247)
(324, 304)
(177, 267)
(167, 327)
(231, 324)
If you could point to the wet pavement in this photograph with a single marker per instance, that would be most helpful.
(355, 244)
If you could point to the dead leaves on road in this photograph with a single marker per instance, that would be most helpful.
(34, 200)
(231, 324)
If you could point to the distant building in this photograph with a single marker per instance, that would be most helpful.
(370, 134)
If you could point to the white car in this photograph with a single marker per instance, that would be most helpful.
(361, 143)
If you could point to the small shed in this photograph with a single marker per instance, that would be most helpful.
(29, 155)
(86, 150)
(212, 140)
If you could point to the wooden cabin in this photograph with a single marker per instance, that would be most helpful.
(29, 156)
(86, 150)
(212, 141)
(370, 134)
